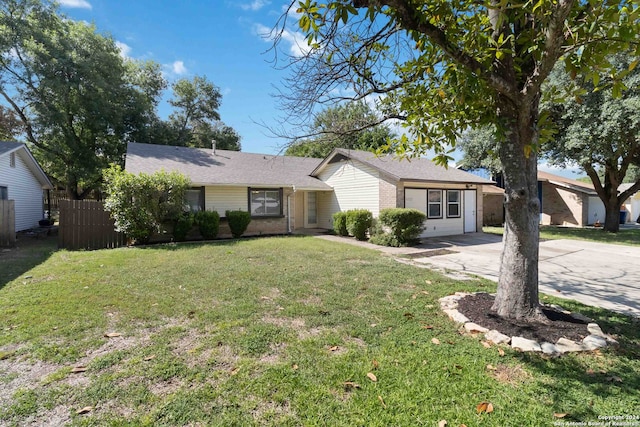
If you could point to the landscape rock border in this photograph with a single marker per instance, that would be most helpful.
(595, 340)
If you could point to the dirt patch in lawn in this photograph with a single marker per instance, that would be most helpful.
(477, 308)
(513, 375)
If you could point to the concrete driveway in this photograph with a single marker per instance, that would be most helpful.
(596, 274)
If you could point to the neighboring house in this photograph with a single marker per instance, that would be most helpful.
(22, 180)
(285, 194)
(632, 204)
(493, 205)
(568, 202)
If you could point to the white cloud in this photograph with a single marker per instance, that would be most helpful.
(255, 5)
(76, 4)
(179, 68)
(295, 40)
(124, 49)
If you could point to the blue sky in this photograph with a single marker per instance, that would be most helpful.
(226, 41)
(222, 40)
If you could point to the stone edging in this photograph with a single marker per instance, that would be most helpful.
(595, 340)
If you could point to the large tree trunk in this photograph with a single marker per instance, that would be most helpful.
(517, 295)
(612, 216)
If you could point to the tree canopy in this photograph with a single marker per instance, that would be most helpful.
(445, 66)
(343, 126)
(599, 132)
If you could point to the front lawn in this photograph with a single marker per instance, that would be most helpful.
(627, 236)
(277, 331)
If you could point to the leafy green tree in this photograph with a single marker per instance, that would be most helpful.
(68, 86)
(352, 125)
(480, 149)
(142, 205)
(445, 66)
(599, 132)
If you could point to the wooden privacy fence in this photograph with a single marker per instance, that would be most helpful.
(7, 223)
(84, 224)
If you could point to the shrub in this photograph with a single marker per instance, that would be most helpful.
(340, 223)
(140, 204)
(182, 226)
(208, 223)
(358, 222)
(238, 222)
(405, 226)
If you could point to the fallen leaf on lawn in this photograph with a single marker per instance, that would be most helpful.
(557, 415)
(425, 292)
(414, 296)
(265, 298)
(428, 282)
(486, 344)
(484, 407)
(457, 366)
(462, 425)
(491, 368)
(84, 410)
(435, 341)
(558, 290)
(500, 352)
(234, 371)
(78, 369)
(408, 315)
(112, 334)
(427, 326)
(382, 401)
(294, 367)
(372, 377)
(333, 348)
(375, 364)
(146, 359)
(442, 423)
(614, 379)
(348, 385)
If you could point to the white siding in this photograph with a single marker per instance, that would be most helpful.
(25, 189)
(417, 199)
(355, 186)
(596, 210)
(223, 199)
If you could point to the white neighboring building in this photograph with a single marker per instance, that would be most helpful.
(632, 204)
(22, 180)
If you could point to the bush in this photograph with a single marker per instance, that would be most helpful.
(208, 223)
(182, 226)
(405, 226)
(340, 223)
(238, 222)
(141, 204)
(358, 222)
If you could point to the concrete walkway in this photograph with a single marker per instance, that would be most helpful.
(597, 274)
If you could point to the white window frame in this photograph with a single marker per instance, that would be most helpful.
(265, 196)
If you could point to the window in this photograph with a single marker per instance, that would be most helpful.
(453, 203)
(265, 202)
(195, 199)
(434, 204)
(4, 193)
(12, 160)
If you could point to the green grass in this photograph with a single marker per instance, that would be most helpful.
(623, 237)
(272, 332)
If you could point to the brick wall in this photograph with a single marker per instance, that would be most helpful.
(562, 206)
(388, 194)
(493, 213)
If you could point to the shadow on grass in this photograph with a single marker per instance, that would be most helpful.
(27, 254)
(175, 246)
(607, 373)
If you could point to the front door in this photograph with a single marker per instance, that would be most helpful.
(470, 211)
(310, 209)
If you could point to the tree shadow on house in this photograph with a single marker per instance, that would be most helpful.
(27, 253)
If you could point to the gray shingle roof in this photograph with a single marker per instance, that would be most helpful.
(418, 169)
(224, 167)
(6, 146)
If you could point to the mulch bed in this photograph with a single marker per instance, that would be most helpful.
(477, 308)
